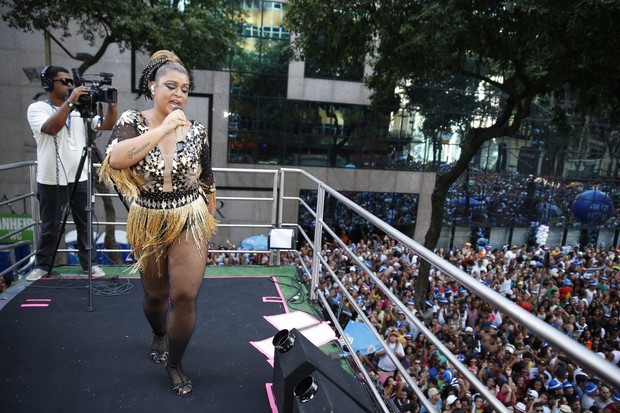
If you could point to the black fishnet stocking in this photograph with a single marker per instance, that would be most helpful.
(170, 301)
(156, 302)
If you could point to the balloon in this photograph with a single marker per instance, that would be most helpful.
(592, 207)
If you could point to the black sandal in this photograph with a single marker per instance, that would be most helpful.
(181, 384)
(159, 349)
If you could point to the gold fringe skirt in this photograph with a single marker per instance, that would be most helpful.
(151, 232)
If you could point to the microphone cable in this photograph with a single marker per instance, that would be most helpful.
(112, 287)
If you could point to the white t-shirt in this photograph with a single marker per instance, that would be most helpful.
(385, 362)
(506, 286)
(590, 294)
(71, 139)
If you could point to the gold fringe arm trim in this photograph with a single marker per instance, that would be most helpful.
(124, 181)
(151, 232)
(211, 200)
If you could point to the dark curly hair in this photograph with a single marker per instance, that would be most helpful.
(164, 60)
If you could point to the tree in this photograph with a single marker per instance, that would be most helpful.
(451, 104)
(522, 49)
(202, 33)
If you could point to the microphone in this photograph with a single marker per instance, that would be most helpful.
(180, 133)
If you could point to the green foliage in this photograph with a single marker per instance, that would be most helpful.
(453, 102)
(519, 47)
(329, 52)
(203, 33)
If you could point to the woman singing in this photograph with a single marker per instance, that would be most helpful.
(160, 161)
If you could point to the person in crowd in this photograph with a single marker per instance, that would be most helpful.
(603, 398)
(385, 364)
(434, 397)
(479, 404)
(160, 160)
(589, 395)
(453, 403)
(404, 401)
(614, 406)
(393, 388)
(61, 135)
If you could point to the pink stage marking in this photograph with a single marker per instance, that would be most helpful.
(37, 302)
(272, 400)
(272, 300)
(282, 299)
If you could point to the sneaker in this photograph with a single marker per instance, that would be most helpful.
(97, 271)
(36, 274)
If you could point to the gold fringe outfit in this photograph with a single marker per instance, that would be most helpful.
(168, 193)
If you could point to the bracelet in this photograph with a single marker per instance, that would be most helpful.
(71, 106)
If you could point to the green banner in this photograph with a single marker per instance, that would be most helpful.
(13, 222)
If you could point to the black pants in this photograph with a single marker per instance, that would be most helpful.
(52, 199)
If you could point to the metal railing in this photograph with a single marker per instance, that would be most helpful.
(30, 203)
(571, 348)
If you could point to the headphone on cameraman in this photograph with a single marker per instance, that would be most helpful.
(46, 82)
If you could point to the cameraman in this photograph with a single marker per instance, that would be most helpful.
(61, 135)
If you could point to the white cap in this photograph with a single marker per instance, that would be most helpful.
(451, 399)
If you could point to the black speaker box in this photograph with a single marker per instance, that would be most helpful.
(296, 358)
(317, 394)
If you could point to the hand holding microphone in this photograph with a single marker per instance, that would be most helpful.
(179, 131)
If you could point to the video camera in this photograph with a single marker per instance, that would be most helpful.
(96, 93)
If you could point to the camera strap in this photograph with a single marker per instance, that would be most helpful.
(70, 140)
(67, 121)
(58, 160)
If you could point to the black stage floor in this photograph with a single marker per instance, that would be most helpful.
(58, 356)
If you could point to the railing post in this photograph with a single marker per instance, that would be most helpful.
(318, 245)
(276, 217)
(34, 209)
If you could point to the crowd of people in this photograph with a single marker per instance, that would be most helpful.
(512, 199)
(481, 199)
(572, 288)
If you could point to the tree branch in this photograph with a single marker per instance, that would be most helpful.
(483, 78)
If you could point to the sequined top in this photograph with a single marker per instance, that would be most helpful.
(168, 180)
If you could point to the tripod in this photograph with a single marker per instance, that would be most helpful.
(88, 114)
